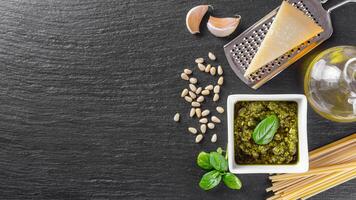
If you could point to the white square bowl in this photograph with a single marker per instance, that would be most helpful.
(302, 164)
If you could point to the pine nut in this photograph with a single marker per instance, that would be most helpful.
(184, 92)
(201, 67)
(187, 71)
(192, 130)
(198, 91)
(184, 76)
(221, 80)
(209, 87)
(200, 99)
(198, 138)
(220, 70)
(203, 128)
(213, 71)
(205, 92)
(176, 117)
(211, 56)
(188, 99)
(195, 104)
(215, 119)
(192, 94)
(220, 109)
(199, 60)
(207, 68)
(203, 120)
(193, 80)
(217, 89)
(192, 87)
(214, 138)
(198, 112)
(205, 113)
(192, 112)
(216, 97)
(211, 125)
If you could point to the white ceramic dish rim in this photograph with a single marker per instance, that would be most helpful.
(303, 162)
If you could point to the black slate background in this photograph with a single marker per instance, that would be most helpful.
(88, 90)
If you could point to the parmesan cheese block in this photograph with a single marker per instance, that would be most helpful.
(290, 28)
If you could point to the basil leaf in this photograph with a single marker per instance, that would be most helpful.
(203, 160)
(218, 161)
(266, 129)
(232, 181)
(219, 150)
(210, 180)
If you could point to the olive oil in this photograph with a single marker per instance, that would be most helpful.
(330, 84)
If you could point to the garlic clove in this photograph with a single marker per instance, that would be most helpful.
(194, 17)
(222, 27)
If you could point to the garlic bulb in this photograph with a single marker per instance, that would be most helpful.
(222, 27)
(194, 17)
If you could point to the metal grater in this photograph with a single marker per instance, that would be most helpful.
(241, 50)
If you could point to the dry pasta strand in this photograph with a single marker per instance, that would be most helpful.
(332, 146)
(321, 170)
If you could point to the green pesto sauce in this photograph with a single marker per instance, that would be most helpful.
(283, 149)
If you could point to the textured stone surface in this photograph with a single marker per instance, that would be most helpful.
(89, 88)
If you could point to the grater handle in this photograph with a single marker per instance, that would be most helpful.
(339, 4)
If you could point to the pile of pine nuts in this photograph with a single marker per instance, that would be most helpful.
(195, 95)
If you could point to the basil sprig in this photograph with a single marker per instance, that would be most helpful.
(265, 130)
(217, 164)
